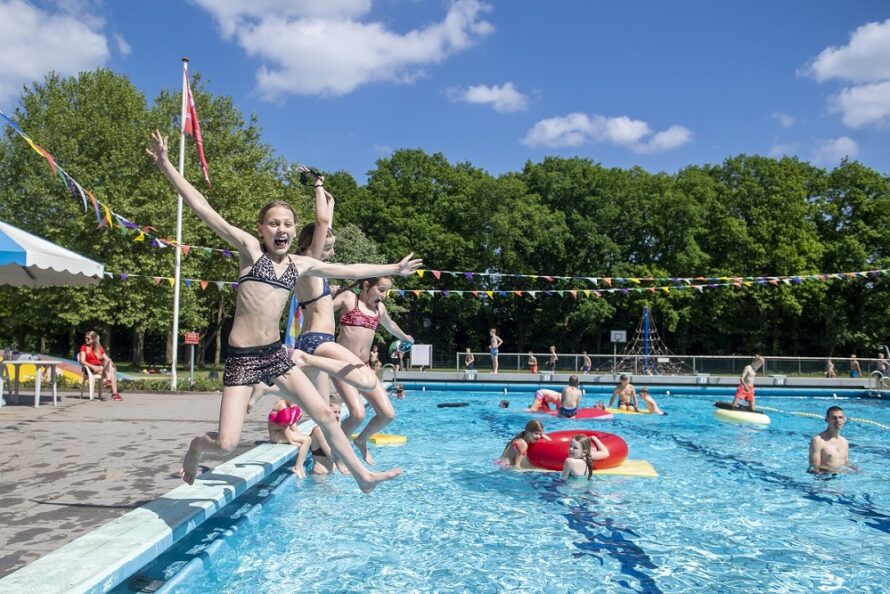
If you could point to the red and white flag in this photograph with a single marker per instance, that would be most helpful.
(192, 127)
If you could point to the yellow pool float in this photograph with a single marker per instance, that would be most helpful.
(387, 439)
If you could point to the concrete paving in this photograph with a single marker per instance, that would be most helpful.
(69, 469)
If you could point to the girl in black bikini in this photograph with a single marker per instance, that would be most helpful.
(255, 353)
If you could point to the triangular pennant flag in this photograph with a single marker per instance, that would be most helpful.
(574, 294)
(431, 292)
(608, 281)
(172, 281)
(475, 293)
(140, 237)
(124, 276)
(157, 280)
(220, 285)
(203, 284)
(185, 249)
(490, 293)
(518, 293)
(437, 274)
(416, 292)
(420, 272)
(469, 275)
(188, 283)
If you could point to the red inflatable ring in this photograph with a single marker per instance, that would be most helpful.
(550, 455)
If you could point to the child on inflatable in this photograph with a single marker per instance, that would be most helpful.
(514, 454)
(544, 398)
(581, 456)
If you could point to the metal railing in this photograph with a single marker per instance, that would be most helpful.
(653, 365)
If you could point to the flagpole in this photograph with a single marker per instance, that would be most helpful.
(185, 75)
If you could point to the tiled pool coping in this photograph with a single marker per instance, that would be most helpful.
(105, 557)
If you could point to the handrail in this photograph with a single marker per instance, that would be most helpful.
(395, 373)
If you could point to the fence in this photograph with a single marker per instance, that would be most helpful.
(689, 364)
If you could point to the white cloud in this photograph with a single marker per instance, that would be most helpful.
(233, 15)
(319, 48)
(503, 98)
(576, 129)
(122, 46)
(34, 42)
(863, 104)
(785, 120)
(864, 59)
(780, 150)
(830, 152)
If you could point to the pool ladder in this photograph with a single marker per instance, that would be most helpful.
(395, 374)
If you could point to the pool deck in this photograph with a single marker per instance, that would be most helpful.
(70, 469)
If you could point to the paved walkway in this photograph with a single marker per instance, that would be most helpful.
(69, 469)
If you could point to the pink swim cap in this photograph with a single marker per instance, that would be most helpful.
(286, 416)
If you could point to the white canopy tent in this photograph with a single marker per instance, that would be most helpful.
(29, 261)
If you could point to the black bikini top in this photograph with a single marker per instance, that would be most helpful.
(326, 290)
(263, 271)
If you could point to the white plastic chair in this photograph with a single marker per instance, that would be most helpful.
(87, 377)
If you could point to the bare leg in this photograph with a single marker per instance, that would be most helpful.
(338, 361)
(353, 401)
(302, 442)
(378, 399)
(223, 441)
(494, 364)
(260, 390)
(110, 371)
(301, 389)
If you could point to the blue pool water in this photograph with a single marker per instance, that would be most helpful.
(732, 510)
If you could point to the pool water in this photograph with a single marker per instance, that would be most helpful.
(732, 510)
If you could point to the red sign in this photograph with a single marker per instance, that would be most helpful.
(191, 338)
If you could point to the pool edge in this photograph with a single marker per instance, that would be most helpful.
(105, 557)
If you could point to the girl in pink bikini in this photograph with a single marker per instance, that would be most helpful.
(358, 323)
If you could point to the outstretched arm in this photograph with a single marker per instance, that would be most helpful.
(313, 267)
(157, 150)
(393, 328)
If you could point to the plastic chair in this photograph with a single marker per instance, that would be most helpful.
(88, 378)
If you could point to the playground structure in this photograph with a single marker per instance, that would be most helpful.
(647, 354)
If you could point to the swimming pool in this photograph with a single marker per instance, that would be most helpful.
(732, 510)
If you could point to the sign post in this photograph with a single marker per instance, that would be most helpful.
(192, 339)
(617, 336)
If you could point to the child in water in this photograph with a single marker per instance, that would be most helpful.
(581, 456)
(514, 454)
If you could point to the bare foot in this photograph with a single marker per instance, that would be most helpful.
(319, 469)
(189, 469)
(299, 471)
(299, 359)
(376, 478)
(363, 450)
(341, 466)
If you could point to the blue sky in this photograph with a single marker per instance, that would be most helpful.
(338, 84)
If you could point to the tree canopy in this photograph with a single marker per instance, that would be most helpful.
(748, 216)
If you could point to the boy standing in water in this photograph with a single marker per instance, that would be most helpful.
(745, 391)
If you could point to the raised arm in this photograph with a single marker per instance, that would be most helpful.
(237, 238)
(614, 395)
(602, 452)
(324, 217)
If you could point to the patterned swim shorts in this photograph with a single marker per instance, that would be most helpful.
(310, 341)
(246, 366)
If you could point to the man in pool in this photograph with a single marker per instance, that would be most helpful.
(745, 391)
(651, 405)
(626, 394)
(829, 452)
